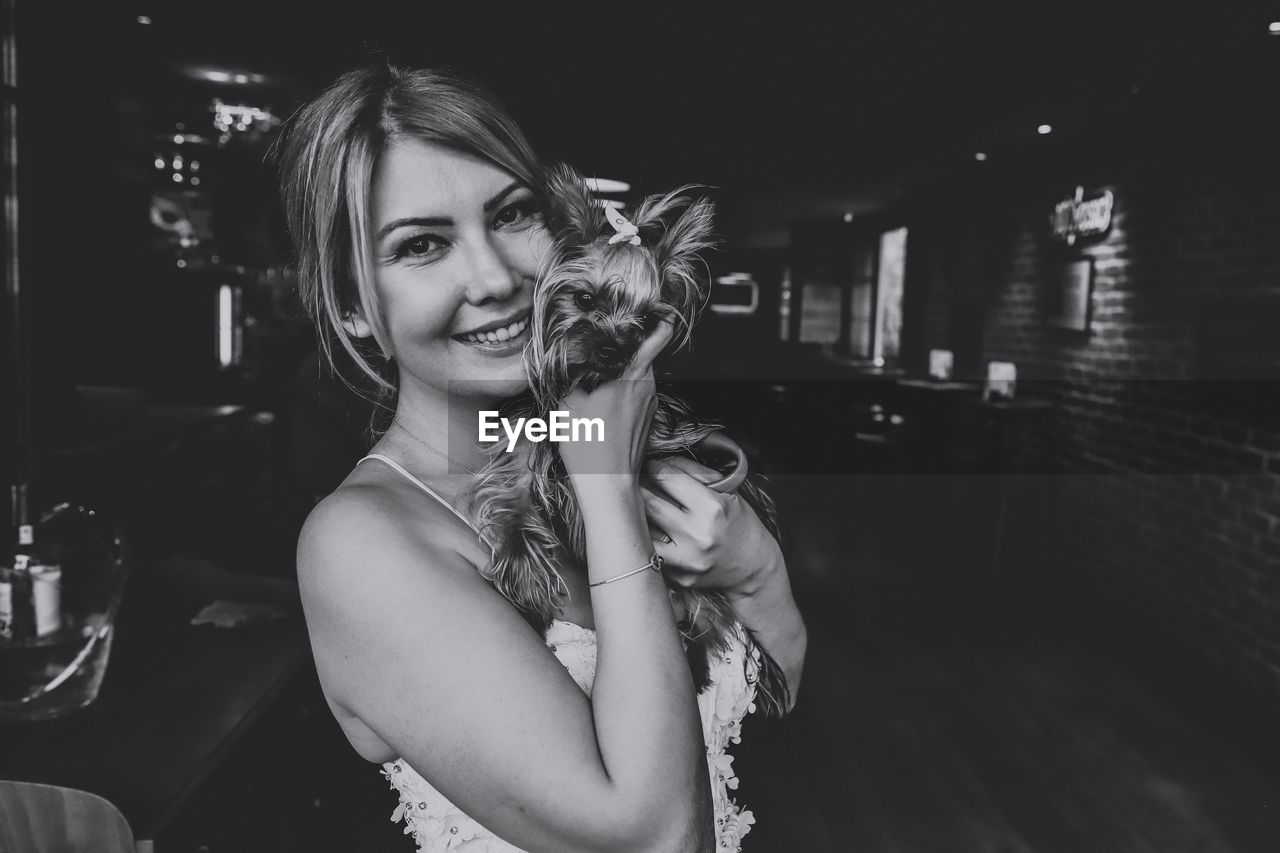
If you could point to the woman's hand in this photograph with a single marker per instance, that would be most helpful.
(716, 540)
(625, 406)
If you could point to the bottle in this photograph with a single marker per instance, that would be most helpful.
(17, 606)
(30, 585)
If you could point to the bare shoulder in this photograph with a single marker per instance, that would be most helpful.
(376, 563)
(366, 519)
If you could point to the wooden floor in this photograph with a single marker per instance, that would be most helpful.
(938, 717)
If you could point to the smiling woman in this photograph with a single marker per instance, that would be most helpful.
(416, 208)
(395, 150)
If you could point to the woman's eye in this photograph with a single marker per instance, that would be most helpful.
(417, 247)
(584, 300)
(518, 213)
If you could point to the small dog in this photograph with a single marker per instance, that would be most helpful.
(596, 301)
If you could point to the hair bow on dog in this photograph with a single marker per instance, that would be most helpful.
(627, 232)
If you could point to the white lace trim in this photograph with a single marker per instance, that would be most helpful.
(438, 825)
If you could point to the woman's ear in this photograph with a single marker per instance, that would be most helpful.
(355, 324)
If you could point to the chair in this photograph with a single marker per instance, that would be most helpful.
(49, 819)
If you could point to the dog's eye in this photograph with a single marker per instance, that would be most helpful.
(584, 300)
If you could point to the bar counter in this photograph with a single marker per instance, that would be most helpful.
(176, 697)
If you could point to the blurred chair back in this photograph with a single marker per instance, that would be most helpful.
(49, 819)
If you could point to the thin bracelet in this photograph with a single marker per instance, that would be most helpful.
(655, 563)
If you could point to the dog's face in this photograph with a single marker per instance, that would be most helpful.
(595, 303)
(595, 310)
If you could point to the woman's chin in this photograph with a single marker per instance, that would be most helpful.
(462, 373)
(494, 371)
(493, 385)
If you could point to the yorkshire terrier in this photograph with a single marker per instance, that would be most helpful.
(601, 291)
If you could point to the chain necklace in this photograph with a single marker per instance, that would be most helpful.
(429, 446)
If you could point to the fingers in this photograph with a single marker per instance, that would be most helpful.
(680, 467)
(649, 350)
(684, 480)
(676, 562)
(660, 511)
(687, 580)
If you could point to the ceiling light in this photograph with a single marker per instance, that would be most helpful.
(1274, 28)
(848, 217)
(221, 75)
(607, 185)
(145, 20)
(1044, 129)
(980, 156)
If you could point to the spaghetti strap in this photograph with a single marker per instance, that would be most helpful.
(421, 485)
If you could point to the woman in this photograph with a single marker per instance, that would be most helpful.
(414, 204)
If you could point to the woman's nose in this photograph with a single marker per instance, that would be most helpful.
(491, 274)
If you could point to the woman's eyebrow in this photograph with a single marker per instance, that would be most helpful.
(497, 199)
(425, 221)
(444, 221)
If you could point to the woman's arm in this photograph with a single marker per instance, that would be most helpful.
(718, 542)
(643, 699)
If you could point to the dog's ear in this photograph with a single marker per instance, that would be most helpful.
(679, 252)
(685, 230)
(572, 211)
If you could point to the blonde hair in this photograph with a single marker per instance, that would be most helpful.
(326, 156)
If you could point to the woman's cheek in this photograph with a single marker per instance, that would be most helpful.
(423, 311)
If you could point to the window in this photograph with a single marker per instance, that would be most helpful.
(889, 288)
(850, 289)
(874, 316)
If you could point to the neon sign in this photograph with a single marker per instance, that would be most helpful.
(1080, 217)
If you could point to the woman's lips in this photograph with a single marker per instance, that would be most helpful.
(498, 346)
(511, 330)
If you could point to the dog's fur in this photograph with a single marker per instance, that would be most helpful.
(593, 306)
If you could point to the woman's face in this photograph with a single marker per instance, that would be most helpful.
(457, 243)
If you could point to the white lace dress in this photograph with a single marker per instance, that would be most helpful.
(438, 825)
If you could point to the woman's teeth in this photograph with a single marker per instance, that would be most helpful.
(495, 336)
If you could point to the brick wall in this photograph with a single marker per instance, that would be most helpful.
(1165, 470)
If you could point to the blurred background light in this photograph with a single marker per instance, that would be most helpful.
(607, 185)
